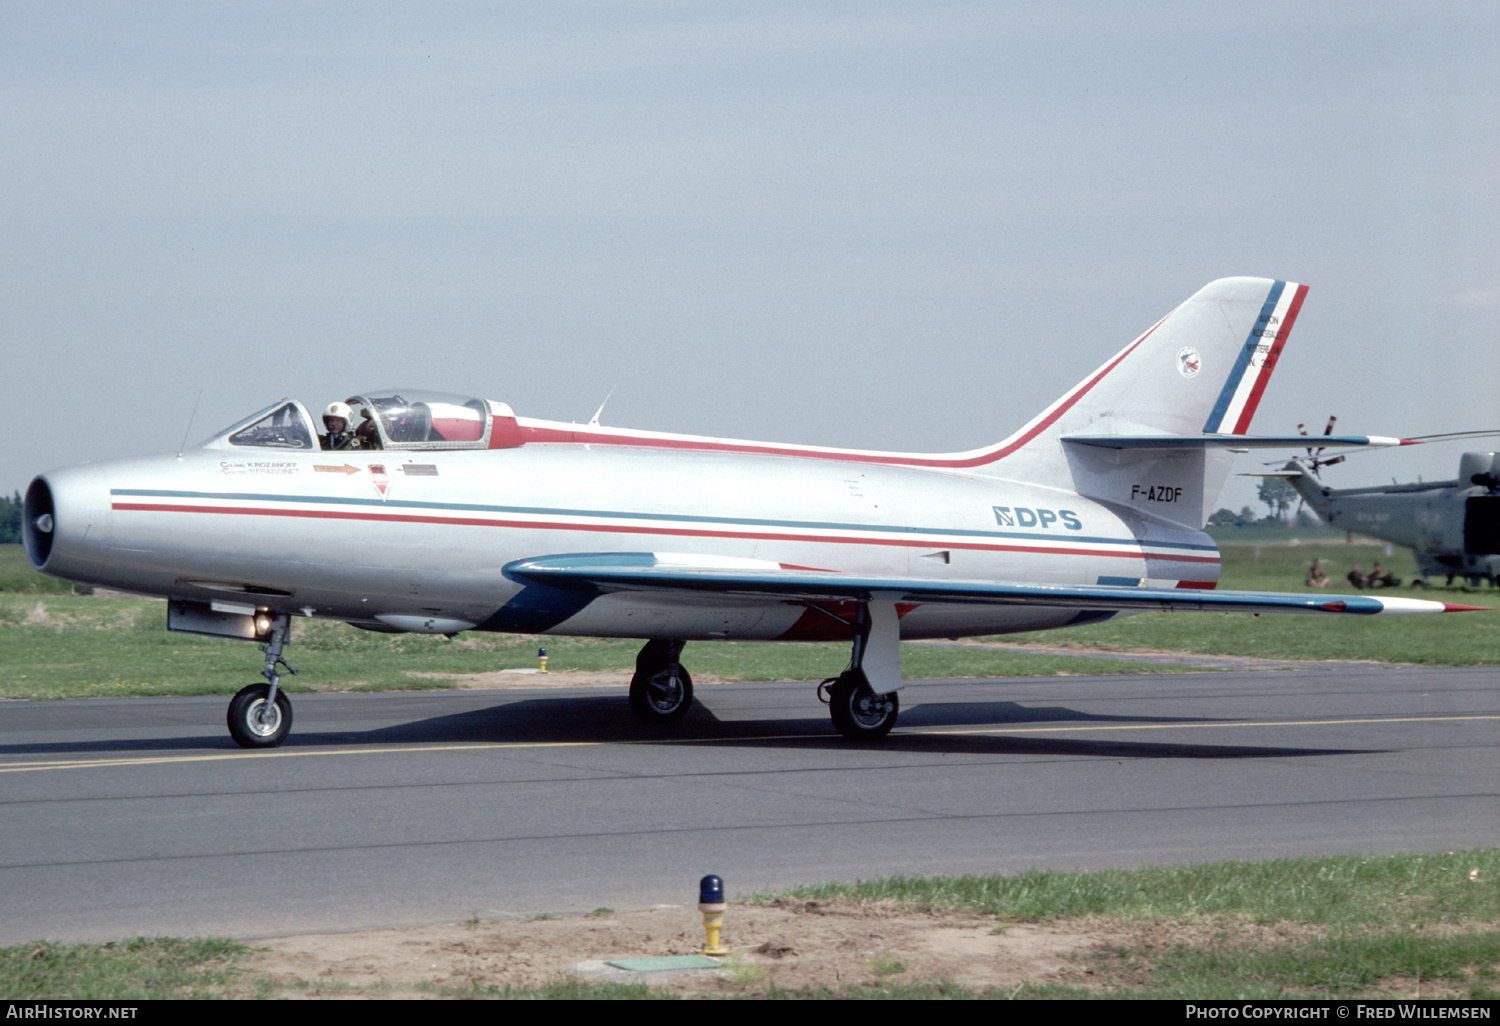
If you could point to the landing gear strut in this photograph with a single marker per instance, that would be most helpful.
(858, 711)
(260, 715)
(661, 691)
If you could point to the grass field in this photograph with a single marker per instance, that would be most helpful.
(17, 577)
(1374, 927)
(65, 646)
(57, 645)
(1384, 927)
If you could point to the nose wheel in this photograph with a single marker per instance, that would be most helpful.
(260, 715)
(258, 721)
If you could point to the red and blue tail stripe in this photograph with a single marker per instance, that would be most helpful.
(1236, 404)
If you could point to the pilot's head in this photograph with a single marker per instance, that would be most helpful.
(336, 418)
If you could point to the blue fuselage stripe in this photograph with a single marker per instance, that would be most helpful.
(542, 511)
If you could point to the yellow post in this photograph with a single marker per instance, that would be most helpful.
(711, 904)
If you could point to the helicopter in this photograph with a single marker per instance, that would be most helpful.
(1452, 526)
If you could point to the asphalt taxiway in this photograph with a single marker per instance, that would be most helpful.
(127, 817)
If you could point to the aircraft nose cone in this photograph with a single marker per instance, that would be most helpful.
(65, 521)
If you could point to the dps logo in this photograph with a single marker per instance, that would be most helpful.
(1021, 516)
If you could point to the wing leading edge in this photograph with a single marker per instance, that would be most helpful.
(1233, 442)
(658, 572)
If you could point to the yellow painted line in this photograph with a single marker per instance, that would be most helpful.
(1055, 728)
(295, 753)
(1061, 728)
(278, 753)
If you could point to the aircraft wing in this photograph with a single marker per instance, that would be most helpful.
(1189, 442)
(662, 572)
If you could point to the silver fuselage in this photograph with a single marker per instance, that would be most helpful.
(402, 538)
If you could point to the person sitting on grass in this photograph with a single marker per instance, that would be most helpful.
(1357, 576)
(1380, 577)
(1316, 578)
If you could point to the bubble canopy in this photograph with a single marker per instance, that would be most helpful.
(387, 418)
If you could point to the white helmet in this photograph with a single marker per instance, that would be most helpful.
(338, 410)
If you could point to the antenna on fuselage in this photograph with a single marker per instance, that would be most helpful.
(190, 423)
(595, 421)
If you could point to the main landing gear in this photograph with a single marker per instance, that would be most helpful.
(859, 711)
(661, 691)
(260, 715)
(861, 701)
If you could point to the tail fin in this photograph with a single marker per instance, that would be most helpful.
(1202, 369)
(1315, 495)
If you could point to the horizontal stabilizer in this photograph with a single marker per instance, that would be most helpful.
(645, 572)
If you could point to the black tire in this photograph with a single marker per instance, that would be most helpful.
(246, 724)
(859, 713)
(663, 696)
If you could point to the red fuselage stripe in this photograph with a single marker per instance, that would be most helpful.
(686, 532)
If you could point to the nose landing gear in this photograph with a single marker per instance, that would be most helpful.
(260, 715)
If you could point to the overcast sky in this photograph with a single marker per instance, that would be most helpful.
(884, 225)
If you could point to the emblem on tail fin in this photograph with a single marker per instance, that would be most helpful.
(1189, 363)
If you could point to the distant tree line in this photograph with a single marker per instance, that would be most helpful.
(10, 519)
(1278, 495)
(1226, 517)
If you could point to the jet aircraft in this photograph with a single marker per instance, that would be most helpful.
(455, 514)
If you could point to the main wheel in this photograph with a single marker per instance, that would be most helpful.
(859, 713)
(662, 696)
(256, 723)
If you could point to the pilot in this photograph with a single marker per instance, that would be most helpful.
(336, 420)
(365, 434)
